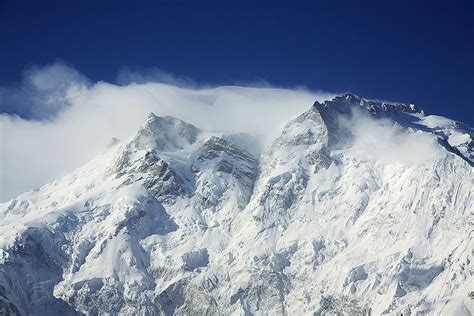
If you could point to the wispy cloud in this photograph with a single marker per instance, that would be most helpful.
(43, 92)
(59, 119)
(385, 141)
(139, 75)
(67, 119)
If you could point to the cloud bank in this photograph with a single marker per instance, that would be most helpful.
(57, 120)
(66, 120)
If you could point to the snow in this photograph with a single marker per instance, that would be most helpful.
(433, 121)
(355, 206)
(458, 139)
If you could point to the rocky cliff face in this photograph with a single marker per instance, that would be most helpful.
(356, 207)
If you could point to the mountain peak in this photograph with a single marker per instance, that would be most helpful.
(151, 117)
(351, 97)
(165, 133)
(345, 103)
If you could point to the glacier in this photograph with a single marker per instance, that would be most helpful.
(356, 207)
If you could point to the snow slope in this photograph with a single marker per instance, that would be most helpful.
(356, 207)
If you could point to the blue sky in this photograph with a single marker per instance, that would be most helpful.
(410, 51)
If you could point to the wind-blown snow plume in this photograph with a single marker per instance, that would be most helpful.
(385, 141)
(77, 119)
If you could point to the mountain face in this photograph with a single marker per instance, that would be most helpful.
(356, 207)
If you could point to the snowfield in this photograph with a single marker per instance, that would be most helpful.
(356, 207)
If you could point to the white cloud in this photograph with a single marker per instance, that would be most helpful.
(385, 141)
(44, 91)
(75, 120)
(84, 117)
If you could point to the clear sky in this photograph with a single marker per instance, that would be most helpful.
(410, 51)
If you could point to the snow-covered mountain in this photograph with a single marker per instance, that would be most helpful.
(355, 207)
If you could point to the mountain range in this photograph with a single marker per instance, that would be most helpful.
(354, 207)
